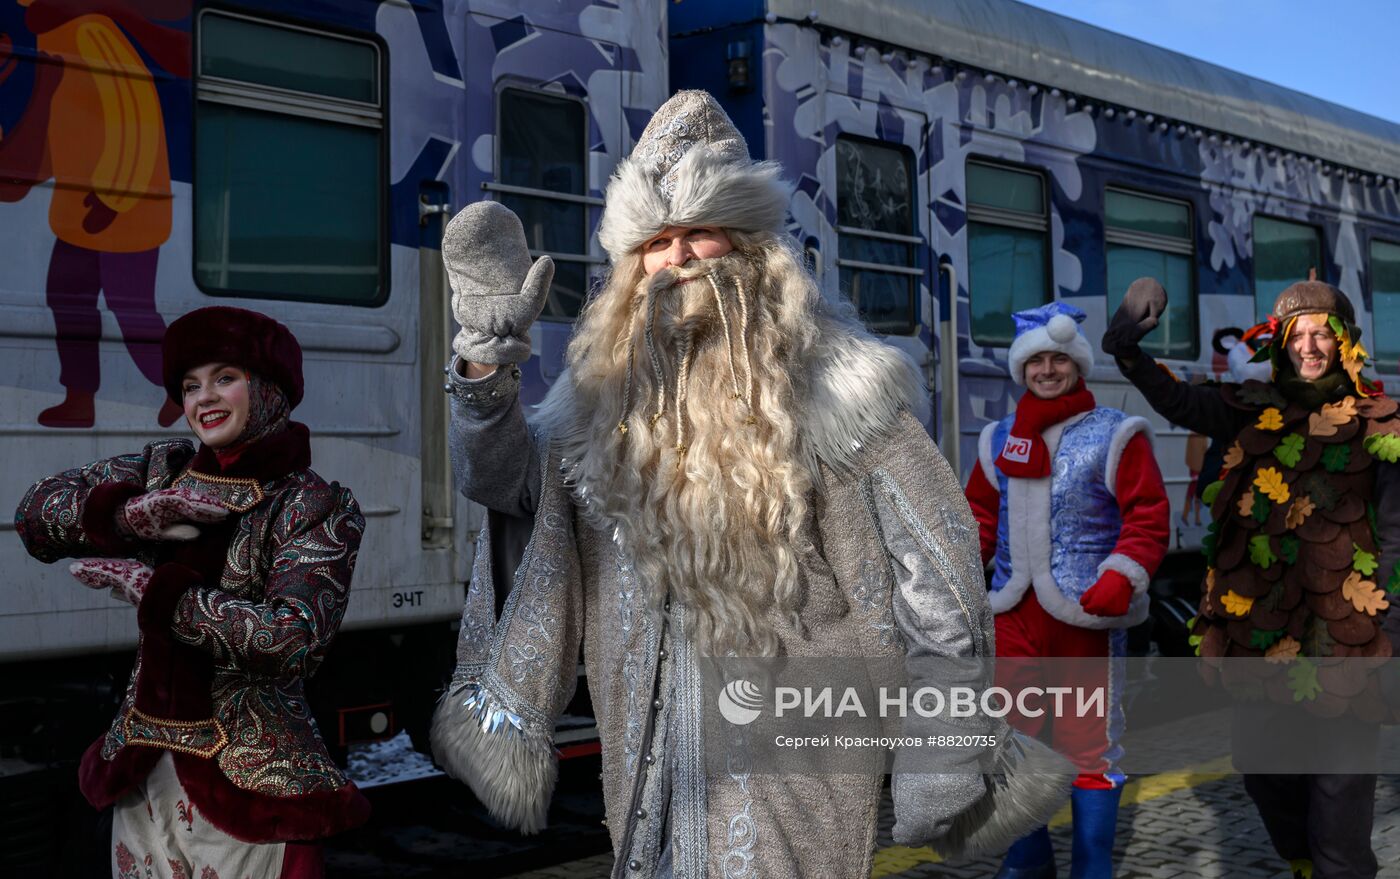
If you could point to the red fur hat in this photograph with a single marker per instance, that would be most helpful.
(221, 334)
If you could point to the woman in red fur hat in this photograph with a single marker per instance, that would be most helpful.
(238, 558)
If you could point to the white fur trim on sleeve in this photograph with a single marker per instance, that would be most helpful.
(1129, 428)
(986, 457)
(1136, 573)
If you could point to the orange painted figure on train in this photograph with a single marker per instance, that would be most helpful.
(94, 126)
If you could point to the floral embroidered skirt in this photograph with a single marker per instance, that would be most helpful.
(158, 834)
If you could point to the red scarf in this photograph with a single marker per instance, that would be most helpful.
(1025, 455)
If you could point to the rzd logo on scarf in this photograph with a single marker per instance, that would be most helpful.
(1017, 449)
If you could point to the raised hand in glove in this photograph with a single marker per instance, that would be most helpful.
(127, 579)
(1140, 312)
(496, 292)
(168, 514)
(1109, 597)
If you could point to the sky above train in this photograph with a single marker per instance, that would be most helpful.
(1340, 50)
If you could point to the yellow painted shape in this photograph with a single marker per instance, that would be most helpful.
(898, 858)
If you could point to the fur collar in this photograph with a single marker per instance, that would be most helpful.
(856, 386)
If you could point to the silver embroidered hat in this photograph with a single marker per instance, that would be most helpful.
(691, 167)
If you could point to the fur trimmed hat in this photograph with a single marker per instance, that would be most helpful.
(691, 167)
(1051, 327)
(222, 334)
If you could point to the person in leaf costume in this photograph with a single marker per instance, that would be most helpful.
(1301, 557)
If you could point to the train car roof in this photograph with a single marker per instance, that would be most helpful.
(1032, 44)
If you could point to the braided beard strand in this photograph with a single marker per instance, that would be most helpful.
(705, 486)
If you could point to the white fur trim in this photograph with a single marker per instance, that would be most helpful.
(1136, 573)
(858, 386)
(1032, 342)
(710, 190)
(1028, 532)
(1141, 603)
(512, 773)
(1125, 431)
(986, 457)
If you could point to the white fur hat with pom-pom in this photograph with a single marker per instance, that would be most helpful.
(691, 167)
(1051, 327)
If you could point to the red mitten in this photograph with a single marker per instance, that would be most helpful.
(1109, 597)
(165, 514)
(126, 578)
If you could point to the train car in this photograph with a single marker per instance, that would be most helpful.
(958, 160)
(299, 158)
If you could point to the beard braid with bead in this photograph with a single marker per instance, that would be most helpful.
(685, 442)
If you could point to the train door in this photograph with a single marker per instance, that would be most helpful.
(875, 250)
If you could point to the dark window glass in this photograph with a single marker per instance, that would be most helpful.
(288, 58)
(1007, 248)
(1284, 253)
(875, 216)
(993, 186)
(1147, 236)
(1385, 302)
(542, 148)
(256, 175)
(288, 193)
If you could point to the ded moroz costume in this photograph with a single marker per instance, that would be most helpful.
(726, 468)
(1301, 557)
(239, 561)
(1073, 516)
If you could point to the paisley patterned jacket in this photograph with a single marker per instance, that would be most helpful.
(232, 626)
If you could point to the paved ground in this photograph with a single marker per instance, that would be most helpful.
(1190, 826)
(1197, 823)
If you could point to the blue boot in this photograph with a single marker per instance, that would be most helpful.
(1095, 820)
(1031, 857)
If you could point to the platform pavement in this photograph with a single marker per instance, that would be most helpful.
(1192, 825)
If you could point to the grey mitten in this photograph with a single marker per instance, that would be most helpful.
(1142, 308)
(926, 804)
(496, 292)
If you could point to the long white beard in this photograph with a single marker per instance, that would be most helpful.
(707, 486)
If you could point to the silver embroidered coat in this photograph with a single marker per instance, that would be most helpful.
(898, 573)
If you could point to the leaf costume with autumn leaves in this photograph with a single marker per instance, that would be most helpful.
(1302, 552)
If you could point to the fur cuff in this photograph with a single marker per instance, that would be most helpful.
(1029, 783)
(1136, 573)
(1126, 430)
(508, 762)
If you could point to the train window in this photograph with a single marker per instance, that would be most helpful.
(542, 176)
(1385, 301)
(878, 249)
(1284, 252)
(1149, 236)
(288, 177)
(1007, 247)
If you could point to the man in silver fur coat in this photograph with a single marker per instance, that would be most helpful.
(712, 476)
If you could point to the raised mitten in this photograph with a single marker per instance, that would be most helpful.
(1142, 308)
(127, 579)
(168, 514)
(496, 292)
(1109, 597)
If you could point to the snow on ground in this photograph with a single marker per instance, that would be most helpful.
(388, 762)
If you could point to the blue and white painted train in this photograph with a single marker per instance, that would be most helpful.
(954, 161)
